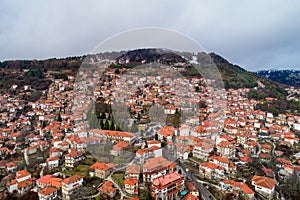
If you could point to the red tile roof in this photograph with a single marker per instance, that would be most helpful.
(47, 191)
(131, 181)
(246, 189)
(265, 182)
(166, 179)
(133, 169)
(22, 173)
(44, 179)
(108, 187)
(72, 179)
(120, 145)
(28, 182)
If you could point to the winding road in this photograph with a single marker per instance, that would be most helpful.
(205, 193)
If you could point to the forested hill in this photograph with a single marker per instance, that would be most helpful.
(235, 77)
(287, 77)
(33, 72)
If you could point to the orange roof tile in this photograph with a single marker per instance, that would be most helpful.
(22, 173)
(108, 187)
(52, 159)
(120, 145)
(265, 182)
(47, 191)
(28, 182)
(220, 159)
(167, 131)
(72, 179)
(131, 181)
(154, 163)
(166, 179)
(133, 169)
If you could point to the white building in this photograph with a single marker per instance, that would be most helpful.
(264, 185)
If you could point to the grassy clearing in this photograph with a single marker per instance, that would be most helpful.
(119, 178)
(145, 195)
(79, 169)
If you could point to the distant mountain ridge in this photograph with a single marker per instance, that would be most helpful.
(287, 77)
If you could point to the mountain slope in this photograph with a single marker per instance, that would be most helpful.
(13, 72)
(233, 75)
(237, 77)
(287, 77)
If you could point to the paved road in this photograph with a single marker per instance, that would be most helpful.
(273, 149)
(210, 184)
(109, 178)
(42, 171)
(89, 197)
(123, 194)
(205, 193)
(26, 157)
(259, 149)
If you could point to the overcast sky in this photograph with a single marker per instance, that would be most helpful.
(254, 34)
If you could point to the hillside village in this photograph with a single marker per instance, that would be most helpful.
(227, 150)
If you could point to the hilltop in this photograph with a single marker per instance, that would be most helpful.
(36, 72)
(233, 76)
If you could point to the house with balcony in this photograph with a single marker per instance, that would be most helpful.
(167, 187)
(71, 185)
(156, 167)
(211, 170)
(226, 149)
(73, 158)
(131, 185)
(22, 183)
(133, 171)
(264, 185)
(202, 150)
(48, 193)
(101, 170)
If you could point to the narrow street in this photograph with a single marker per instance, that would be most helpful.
(109, 178)
(259, 148)
(123, 194)
(204, 192)
(42, 171)
(26, 157)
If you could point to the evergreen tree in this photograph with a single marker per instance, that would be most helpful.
(112, 125)
(139, 117)
(106, 125)
(102, 116)
(59, 118)
(117, 128)
(43, 124)
(101, 123)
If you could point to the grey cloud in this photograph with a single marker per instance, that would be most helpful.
(254, 34)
